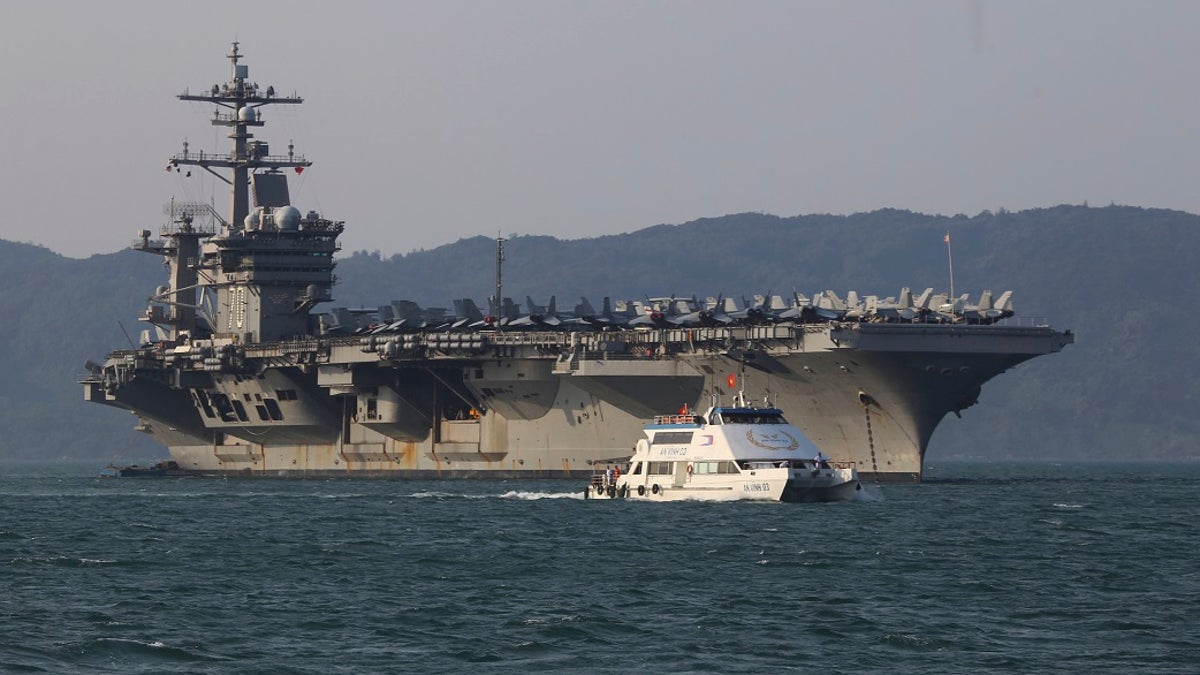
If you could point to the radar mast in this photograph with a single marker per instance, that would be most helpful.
(266, 266)
(238, 102)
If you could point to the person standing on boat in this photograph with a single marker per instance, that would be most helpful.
(821, 460)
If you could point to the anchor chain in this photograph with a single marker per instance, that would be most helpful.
(871, 443)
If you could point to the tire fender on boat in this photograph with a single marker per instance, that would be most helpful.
(654, 488)
(689, 468)
(641, 490)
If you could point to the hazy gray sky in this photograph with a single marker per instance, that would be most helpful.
(433, 121)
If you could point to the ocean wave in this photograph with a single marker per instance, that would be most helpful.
(115, 651)
(62, 561)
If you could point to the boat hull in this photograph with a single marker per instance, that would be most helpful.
(869, 396)
(765, 486)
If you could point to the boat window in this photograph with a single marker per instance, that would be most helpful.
(722, 467)
(659, 468)
(637, 469)
(672, 438)
(715, 418)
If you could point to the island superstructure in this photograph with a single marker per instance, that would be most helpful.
(238, 374)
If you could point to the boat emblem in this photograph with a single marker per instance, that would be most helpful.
(772, 440)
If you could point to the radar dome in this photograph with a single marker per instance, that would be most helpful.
(247, 114)
(287, 218)
(252, 220)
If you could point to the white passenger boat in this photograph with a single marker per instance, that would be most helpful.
(729, 453)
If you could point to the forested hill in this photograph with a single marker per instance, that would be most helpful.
(1121, 278)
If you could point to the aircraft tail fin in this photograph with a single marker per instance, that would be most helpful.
(509, 309)
(406, 309)
(1004, 302)
(470, 310)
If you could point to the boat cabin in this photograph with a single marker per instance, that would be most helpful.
(734, 452)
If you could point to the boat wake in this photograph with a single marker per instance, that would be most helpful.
(520, 495)
(869, 494)
(530, 496)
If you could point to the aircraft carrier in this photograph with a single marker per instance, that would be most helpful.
(238, 374)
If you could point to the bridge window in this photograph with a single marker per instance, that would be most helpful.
(672, 438)
(240, 410)
(224, 409)
(273, 409)
(201, 398)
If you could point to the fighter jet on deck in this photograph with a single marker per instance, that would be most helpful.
(538, 317)
(985, 312)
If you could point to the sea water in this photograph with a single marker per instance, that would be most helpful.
(981, 568)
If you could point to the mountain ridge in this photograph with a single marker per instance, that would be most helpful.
(1119, 277)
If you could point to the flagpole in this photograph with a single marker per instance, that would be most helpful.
(950, 259)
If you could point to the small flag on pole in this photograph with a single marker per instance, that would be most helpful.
(731, 380)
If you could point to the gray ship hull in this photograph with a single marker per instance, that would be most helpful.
(554, 404)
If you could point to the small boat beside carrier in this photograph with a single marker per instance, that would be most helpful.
(729, 453)
(163, 468)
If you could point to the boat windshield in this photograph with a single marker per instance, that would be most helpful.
(748, 417)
